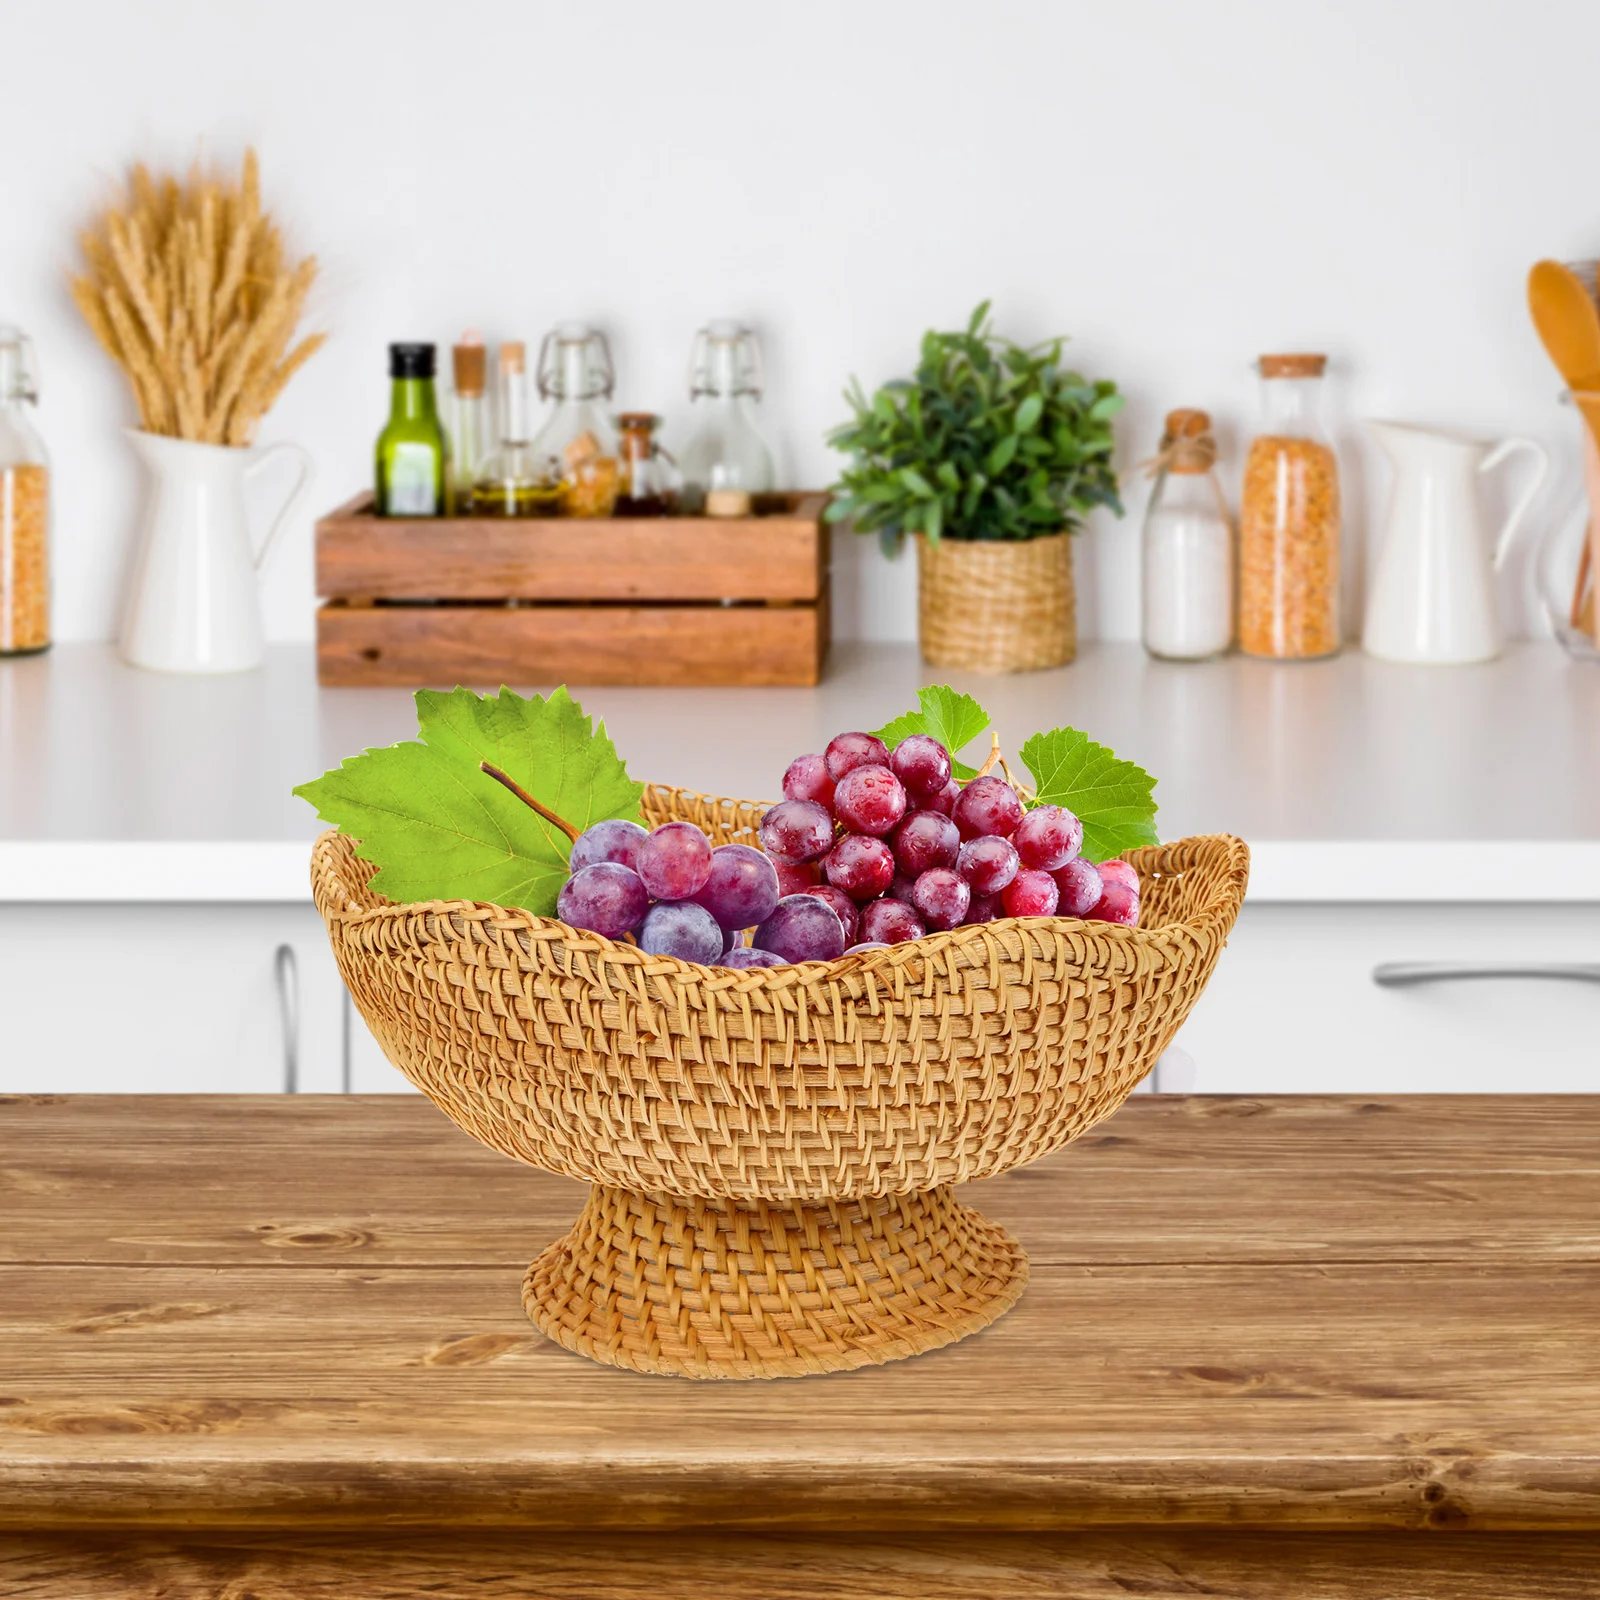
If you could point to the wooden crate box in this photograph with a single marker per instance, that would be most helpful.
(689, 601)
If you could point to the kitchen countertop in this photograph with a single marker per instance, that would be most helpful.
(1352, 779)
(1269, 1347)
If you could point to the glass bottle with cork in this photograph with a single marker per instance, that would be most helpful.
(1187, 599)
(649, 483)
(576, 376)
(469, 434)
(1289, 520)
(24, 505)
(518, 478)
(727, 462)
(412, 455)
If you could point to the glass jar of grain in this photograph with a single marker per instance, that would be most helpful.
(1289, 521)
(24, 506)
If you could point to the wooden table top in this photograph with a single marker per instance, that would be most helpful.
(1298, 1313)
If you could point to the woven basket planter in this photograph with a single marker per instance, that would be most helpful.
(997, 605)
(773, 1150)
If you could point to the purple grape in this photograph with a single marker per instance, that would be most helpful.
(752, 958)
(803, 928)
(869, 800)
(944, 802)
(742, 888)
(675, 861)
(922, 764)
(1031, 893)
(607, 899)
(1119, 901)
(1080, 887)
(807, 779)
(890, 922)
(608, 841)
(984, 908)
(860, 865)
(901, 888)
(1123, 872)
(681, 928)
(844, 908)
(924, 840)
(735, 937)
(985, 806)
(799, 877)
(847, 751)
(941, 897)
(797, 830)
(867, 944)
(988, 863)
(1048, 837)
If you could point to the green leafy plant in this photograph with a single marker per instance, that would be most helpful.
(989, 440)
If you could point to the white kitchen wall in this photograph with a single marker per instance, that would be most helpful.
(1178, 186)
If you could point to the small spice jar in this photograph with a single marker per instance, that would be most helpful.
(24, 506)
(1187, 610)
(648, 486)
(1289, 520)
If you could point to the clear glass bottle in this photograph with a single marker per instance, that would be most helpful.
(470, 433)
(1187, 607)
(24, 505)
(576, 376)
(411, 454)
(649, 485)
(518, 478)
(1289, 527)
(726, 461)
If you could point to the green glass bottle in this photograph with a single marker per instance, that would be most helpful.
(412, 451)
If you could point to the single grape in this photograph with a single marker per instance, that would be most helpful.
(988, 863)
(844, 908)
(796, 877)
(607, 898)
(1118, 904)
(941, 897)
(1081, 887)
(797, 830)
(608, 841)
(742, 888)
(1048, 837)
(867, 944)
(807, 779)
(847, 751)
(1031, 893)
(674, 861)
(869, 800)
(901, 888)
(924, 839)
(803, 928)
(944, 802)
(890, 922)
(985, 806)
(984, 908)
(681, 928)
(752, 958)
(921, 763)
(1123, 872)
(860, 865)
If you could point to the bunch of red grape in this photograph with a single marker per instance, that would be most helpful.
(867, 848)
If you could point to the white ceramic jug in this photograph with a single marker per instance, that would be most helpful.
(1432, 594)
(195, 604)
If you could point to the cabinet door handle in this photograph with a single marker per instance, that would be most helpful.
(1407, 974)
(286, 973)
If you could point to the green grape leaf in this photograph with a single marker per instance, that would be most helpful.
(1114, 799)
(955, 720)
(440, 828)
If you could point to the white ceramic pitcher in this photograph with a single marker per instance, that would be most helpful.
(1432, 594)
(195, 603)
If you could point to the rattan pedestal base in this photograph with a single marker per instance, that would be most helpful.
(696, 1288)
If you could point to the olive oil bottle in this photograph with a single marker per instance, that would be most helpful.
(412, 454)
(515, 480)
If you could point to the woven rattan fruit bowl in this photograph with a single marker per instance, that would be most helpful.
(773, 1150)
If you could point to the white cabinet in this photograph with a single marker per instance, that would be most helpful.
(167, 999)
(1293, 1006)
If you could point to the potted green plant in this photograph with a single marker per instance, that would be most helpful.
(991, 456)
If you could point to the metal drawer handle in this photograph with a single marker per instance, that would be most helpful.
(286, 972)
(1407, 974)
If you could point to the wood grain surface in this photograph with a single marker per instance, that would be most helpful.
(1304, 1317)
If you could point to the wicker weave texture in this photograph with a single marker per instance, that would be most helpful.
(894, 1071)
(997, 605)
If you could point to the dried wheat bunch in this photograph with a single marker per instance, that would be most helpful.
(188, 289)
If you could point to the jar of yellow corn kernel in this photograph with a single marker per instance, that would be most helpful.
(1289, 520)
(24, 506)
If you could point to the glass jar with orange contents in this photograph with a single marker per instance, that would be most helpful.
(24, 506)
(1289, 521)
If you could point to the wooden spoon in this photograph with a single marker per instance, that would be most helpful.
(1568, 323)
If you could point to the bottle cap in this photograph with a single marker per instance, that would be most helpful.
(1187, 446)
(411, 360)
(467, 360)
(1293, 366)
(513, 356)
(1187, 423)
(634, 420)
